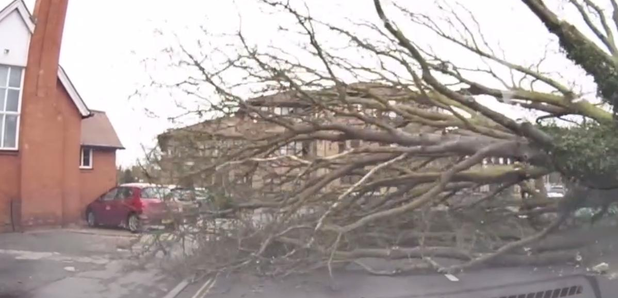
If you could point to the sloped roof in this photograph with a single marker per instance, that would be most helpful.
(226, 127)
(97, 131)
(62, 76)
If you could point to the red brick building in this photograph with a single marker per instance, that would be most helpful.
(56, 155)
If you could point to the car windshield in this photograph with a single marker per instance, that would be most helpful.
(154, 192)
(335, 148)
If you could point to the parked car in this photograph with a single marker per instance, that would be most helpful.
(197, 203)
(132, 205)
(181, 194)
(183, 203)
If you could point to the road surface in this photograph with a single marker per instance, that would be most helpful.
(67, 264)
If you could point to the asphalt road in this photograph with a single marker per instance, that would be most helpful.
(95, 264)
(499, 282)
(81, 263)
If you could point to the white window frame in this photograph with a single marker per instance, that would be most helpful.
(291, 148)
(3, 111)
(284, 111)
(81, 158)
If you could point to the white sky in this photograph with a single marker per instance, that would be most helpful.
(106, 41)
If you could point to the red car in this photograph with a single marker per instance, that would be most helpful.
(131, 205)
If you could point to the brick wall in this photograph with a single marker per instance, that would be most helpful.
(45, 167)
(71, 208)
(94, 182)
(9, 187)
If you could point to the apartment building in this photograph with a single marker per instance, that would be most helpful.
(186, 152)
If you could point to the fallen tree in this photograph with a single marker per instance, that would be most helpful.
(365, 144)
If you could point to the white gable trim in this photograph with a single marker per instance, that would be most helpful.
(23, 11)
(77, 99)
(62, 75)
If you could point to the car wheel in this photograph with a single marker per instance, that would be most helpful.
(134, 224)
(91, 219)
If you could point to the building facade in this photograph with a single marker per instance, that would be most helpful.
(185, 151)
(56, 155)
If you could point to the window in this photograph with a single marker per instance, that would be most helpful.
(10, 106)
(124, 193)
(287, 111)
(86, 158)
(341, 147)
(292, 148)
(154, 193)
(110, 195)
(273, 183)
(283, 111)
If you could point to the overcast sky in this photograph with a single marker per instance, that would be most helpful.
(106, 42)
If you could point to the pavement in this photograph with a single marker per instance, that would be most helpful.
(80, 263)
(96, 263)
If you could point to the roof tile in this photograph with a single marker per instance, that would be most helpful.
(97, 131)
